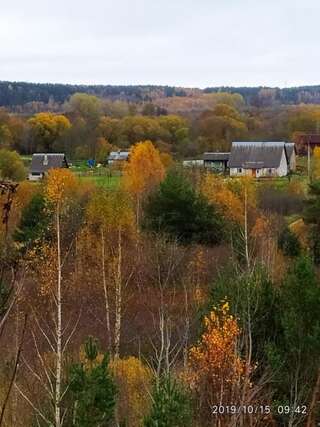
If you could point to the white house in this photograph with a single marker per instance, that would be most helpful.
(118, 156)
(260, 159)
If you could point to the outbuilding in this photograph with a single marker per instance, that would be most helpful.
(217, 162)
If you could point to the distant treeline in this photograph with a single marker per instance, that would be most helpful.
(13, 94)
(266, 96)
(16, 94)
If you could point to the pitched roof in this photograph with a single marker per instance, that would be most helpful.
(41, 162)
(256, 155)
(219, 157)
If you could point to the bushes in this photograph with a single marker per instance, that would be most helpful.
(11, 166)
(289, 243)
(280, 202)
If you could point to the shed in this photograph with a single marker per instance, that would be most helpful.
(216, 161)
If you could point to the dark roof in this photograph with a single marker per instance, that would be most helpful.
(218, 157)
(41, 162)
(256, 155)
(118, 155)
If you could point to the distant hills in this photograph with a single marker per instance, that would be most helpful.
(15, 94)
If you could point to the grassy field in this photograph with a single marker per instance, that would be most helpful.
(102, 181)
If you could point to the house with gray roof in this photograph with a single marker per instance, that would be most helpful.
(259, 159)
(41, 163)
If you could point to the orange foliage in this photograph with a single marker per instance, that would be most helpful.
(216, 369)
(261, 227)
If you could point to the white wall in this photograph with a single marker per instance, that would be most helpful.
(283, 168)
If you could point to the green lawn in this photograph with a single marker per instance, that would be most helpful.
(103, 181)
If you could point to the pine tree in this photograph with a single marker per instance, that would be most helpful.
(171, 405)
(93, 389)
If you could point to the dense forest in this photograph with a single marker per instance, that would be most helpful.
(22, 96)
(86, 126)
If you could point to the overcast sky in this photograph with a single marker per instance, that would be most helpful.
(193, 43)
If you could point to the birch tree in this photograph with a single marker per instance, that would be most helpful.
(54, 329)
(112, 213)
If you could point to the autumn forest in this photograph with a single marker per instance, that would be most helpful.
(146, 293)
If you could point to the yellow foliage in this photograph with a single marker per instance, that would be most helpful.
(144, 170)
(111, 210)
(134, 381)
(300, 229)
(227, 201)
(316, 163)
(166, 160)
(25, 192)
(60, 184)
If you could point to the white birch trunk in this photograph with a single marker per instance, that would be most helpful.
(105, 289)
(58, 421)
(246, 228)
(118, 283)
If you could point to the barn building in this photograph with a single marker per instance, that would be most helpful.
(260, 159)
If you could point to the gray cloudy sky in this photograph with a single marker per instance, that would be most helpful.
(176, 42)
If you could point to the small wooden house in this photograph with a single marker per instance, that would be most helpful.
(42, 162)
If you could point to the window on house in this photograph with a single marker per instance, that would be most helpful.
(270, 171)
(239, 170)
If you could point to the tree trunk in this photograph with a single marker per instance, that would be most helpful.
(117, 328)
(104, 281)
(58, 327)
(246, 228)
